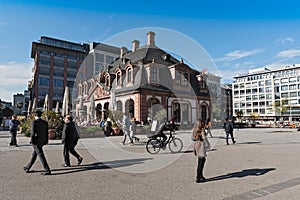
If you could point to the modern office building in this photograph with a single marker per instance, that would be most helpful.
(103, 55)
(268, 94)
(57, 64)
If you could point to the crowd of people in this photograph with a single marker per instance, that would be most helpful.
(70, 137)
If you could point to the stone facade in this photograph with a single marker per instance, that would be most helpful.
(145, 83)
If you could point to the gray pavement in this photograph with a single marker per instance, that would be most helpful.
(263, 164)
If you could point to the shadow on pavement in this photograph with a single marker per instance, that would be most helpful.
(243, 173)
(51, 144)
(249, 142)
(5, 136)
(98, 166)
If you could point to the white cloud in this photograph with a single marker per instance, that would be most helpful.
(14, 78)
(291, 53)
(111, 16)
(238, 54)
(228, 71)
(286, 40)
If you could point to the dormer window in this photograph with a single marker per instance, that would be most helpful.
(107, 81)
(153, 74)
(178, 78)
(182, 78)
(118, 78)
(185, 79)
(92, 83)
(79, 90)
(85, 88)
(129, 75)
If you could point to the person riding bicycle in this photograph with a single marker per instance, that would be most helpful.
(160, 131)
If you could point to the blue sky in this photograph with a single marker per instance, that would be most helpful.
(238, 35)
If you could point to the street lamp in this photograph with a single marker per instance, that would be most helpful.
(20, 105)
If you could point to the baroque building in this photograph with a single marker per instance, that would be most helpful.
(143, 82)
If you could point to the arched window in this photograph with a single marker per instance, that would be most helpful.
(129, 75)
(107, 81)
(84, 88)
(203, 112)
(92, 83)
(176, 112)
(129, 108)
(118, 77)
(152, 109)
(119, 105)
(99, 111)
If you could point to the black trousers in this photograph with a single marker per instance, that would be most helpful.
(231, 135)
(38, 151)
(70, 148)
(164, 137)
(200, 167)
(13, 140)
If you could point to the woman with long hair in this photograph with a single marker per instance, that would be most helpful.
(198, 136)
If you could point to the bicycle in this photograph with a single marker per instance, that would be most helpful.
(155, 143)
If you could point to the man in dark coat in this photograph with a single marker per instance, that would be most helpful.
(69, 139)
(13, 128)
(39, 138)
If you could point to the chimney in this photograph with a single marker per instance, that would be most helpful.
(123, 50)
(135, 45)
(151, 41)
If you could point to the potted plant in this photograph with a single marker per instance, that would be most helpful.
(26, 125)
(114, 116)
(55, 123)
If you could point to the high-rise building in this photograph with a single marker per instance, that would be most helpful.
(56, 63)
(268, 94)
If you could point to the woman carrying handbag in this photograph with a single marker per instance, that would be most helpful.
(198, 136)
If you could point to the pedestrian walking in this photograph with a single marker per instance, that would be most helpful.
(228, 127)
(70, 138)
(198, 137)
(125, 126)
(208, 127)
(132, 130)
(39, 138)
(13, 128)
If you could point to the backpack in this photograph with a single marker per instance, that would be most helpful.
(228, 126)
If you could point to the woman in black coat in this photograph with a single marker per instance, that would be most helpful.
(69, 139)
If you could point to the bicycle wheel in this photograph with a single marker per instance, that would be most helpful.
(175, 145)
(153, 146)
